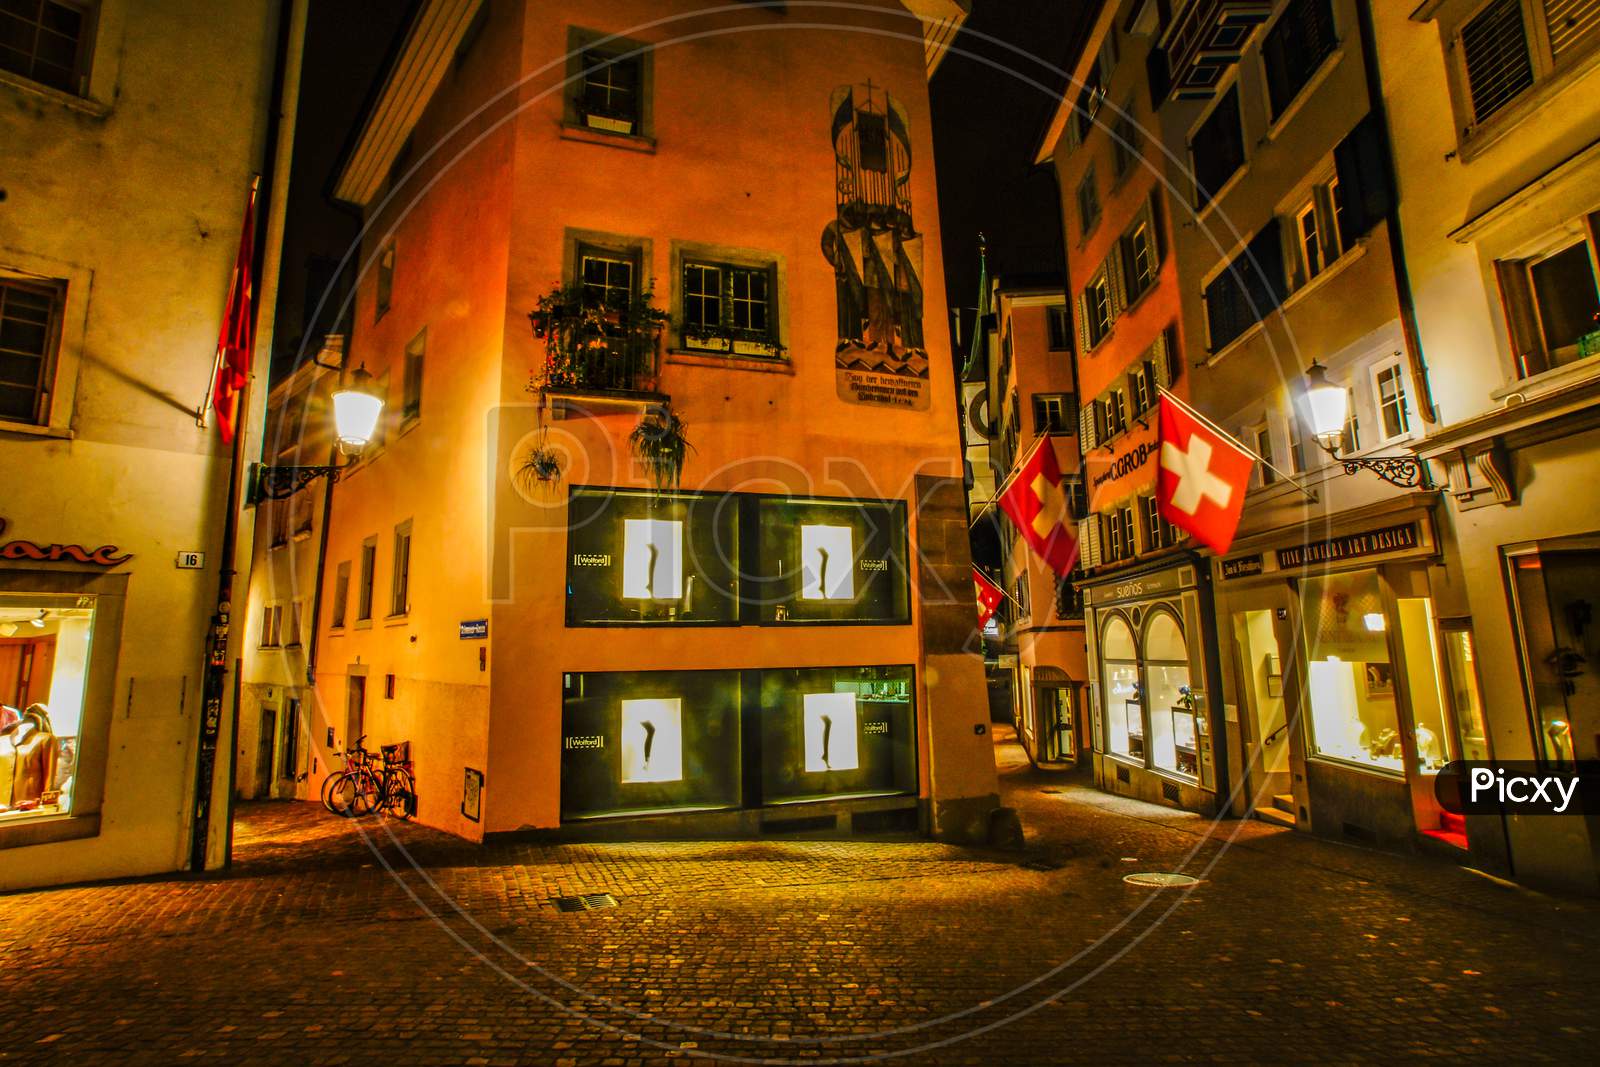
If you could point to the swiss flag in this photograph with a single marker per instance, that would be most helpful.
(1203, 479)
(1037, 503)
(236, 340)
(989, 597)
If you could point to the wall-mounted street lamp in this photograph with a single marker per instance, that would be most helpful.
(356, 408)
(1330, 409)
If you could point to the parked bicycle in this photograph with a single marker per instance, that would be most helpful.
(366, 785)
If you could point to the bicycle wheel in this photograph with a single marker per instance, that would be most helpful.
(356, 793)
(329, 784)
(400, 793)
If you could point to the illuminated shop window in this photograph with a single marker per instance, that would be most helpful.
(1349, 676)
(1120, 685)
(640, 557)
(652, 559)
(827, 560)
(1172, 723)
(836, 732)
(44, 667)
(639, 742)
(827, 563)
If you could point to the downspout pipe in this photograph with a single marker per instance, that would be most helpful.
(1397, 246)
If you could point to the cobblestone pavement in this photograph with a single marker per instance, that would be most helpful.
(320, 949)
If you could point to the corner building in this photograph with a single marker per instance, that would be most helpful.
(586, 222)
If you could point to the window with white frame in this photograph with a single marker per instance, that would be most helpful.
(1088, 203)
(400, 583)
(1314, 232)
(1140, 261)
(1300, 455)
(1119, 534)
(1116, 403)
(729, 306)
(1142, 387)
(1390, 399)
(1053, 412)
(1058, 327)
(1097, 306)
(1350, 440)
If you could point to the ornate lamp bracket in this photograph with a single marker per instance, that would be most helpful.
(280, 483)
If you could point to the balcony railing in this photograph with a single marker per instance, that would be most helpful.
(590, 348)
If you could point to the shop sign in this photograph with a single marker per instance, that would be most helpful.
(874, 564)
(1242, 566)
(104, 556)
(591, 559)
(1113, 475)
(876, 726)
(1145, 585)
(1353, 546)
(583, 741)
(474, 629)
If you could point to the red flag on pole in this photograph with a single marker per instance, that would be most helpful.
(989, 597)
(236, 340)
(1204, 476)
(1037, 502)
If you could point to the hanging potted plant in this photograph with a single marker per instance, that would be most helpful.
(660, 445)
(540, 467)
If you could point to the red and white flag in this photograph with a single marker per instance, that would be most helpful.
(1203, 478)
(989, 597)
(236, 340)
(1037, 502)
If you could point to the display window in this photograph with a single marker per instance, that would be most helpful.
(1554, 590)
(837, 732)
(44, 664)
(1466, 699)
(1172, 716)
(824, 560)
(636, 557)
(658, 742)
(1350, 681)
(646, 742)
(1119, 659)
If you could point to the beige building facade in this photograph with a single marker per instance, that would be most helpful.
(131, 133)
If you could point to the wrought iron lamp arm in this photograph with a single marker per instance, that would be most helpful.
(280, 483)
(1407, 472)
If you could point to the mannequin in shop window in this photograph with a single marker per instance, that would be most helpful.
(29, 757)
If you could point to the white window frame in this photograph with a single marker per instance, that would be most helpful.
(1380, 429)
(1260, 439)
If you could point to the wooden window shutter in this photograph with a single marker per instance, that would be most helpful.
(1086, 427)
(1116, 284)
(1089, 542)
(1572, 23)
(1159, 360)
(1362, 162)
(1083, 321)
(1516, 298)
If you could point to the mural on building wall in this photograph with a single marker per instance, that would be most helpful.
(876, 253)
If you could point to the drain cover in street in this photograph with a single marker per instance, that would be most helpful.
(1161, 880)
(1040, 865)
(588, 902)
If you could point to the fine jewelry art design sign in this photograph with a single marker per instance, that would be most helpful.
(876, 253)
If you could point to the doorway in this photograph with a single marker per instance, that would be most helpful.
(1260, 639)
(355, 722)
(265, 749)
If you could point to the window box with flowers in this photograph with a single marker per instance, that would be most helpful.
(595, 346)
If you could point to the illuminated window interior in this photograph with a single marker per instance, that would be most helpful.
(44, 664)
(829, 722)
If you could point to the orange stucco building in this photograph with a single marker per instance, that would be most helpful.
(583, 223)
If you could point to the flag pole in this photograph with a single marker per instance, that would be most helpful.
(1240, 445)
(1000, 585)
(1016, 468)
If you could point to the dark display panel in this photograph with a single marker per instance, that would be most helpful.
(837, 731)
(831, 561)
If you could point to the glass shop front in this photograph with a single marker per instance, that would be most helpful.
(1381, 695)
(658, 742)
(45, 643)
(1153, 723)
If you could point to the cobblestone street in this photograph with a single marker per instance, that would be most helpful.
(316, 949)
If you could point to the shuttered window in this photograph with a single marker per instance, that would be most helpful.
(1248, 289)
(1217, 148)
(1295, 47)
(30, 319)
(1572, 25)
(1494, 47)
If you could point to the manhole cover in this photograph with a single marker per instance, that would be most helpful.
(1161, 880)
(1040, 865)
(587, 902)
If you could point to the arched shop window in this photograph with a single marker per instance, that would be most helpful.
(1172, 721)
(1119, 659)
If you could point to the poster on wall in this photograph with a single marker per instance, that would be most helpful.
(829, 724)
(472, 795)
(876, 253)
(652, 740)
(652, 559)
(827, 555)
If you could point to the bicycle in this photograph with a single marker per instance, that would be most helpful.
(397, 786)
(354, 790)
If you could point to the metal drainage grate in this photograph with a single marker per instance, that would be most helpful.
(1161, 880)
(587, 902)
(1040, 865)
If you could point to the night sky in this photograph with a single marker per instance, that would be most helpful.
(986, 126)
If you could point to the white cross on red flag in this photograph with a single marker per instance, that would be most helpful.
(989, 597)
(1204, 476)
(1037, 502)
